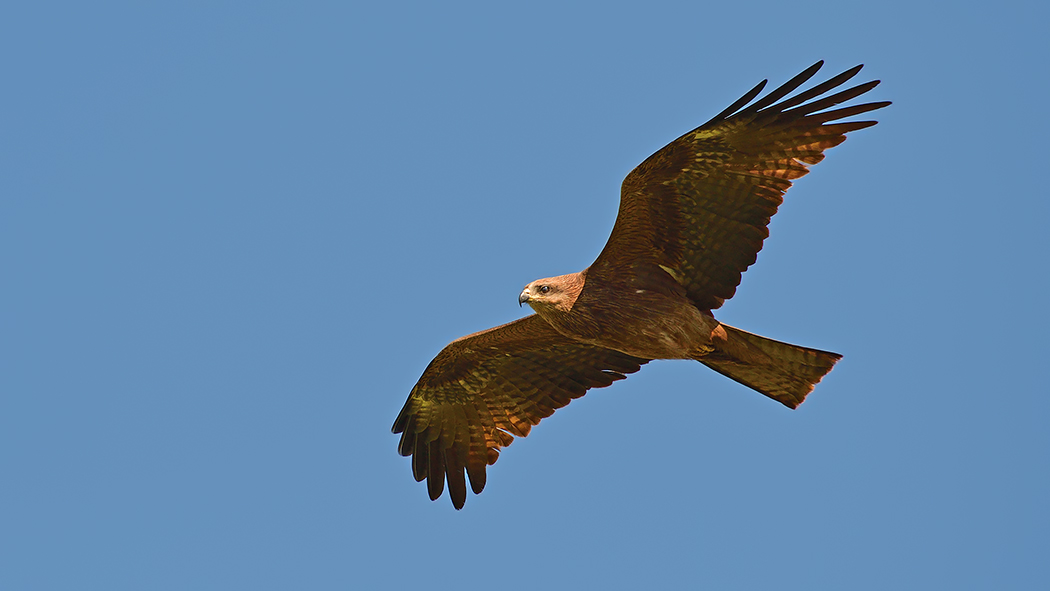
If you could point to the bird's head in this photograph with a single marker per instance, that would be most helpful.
(552, 293)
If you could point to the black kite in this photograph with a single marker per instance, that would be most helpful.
(692, 218)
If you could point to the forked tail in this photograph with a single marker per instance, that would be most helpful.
(786, 373)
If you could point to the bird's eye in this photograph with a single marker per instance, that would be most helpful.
(545, 288)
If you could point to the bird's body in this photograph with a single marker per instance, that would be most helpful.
(692, 219)
(646, 319)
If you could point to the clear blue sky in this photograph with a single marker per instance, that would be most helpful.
(233, 235)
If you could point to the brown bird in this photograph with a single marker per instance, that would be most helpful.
(692, 218)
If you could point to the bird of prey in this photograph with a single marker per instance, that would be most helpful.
(692, 218)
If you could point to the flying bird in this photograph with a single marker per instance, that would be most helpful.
(692, 219)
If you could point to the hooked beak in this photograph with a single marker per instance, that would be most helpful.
(524, 297)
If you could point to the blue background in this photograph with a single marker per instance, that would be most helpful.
(232, 235)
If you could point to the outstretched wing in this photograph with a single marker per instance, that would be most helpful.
(699, 208)
(483, 389)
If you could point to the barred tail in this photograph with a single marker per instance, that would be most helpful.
(786, 373)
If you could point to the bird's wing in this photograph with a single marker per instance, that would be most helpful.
(699, 207)
(483, 389)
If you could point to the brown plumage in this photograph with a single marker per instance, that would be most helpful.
(692, 218)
